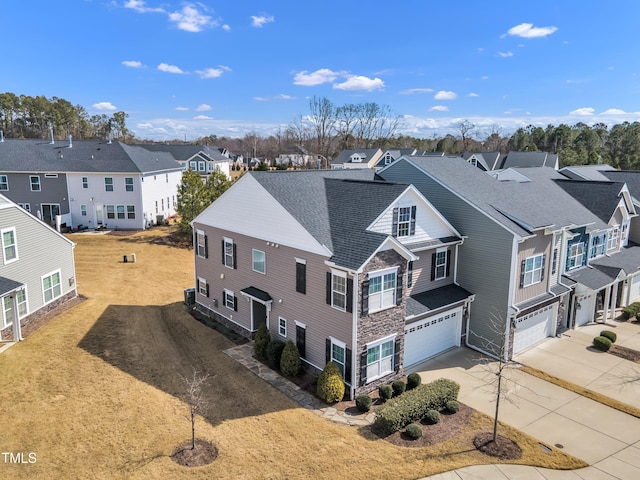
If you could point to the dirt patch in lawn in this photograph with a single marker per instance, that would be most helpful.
(626, 353)
(203, 453)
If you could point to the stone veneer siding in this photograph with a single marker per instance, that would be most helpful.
(234, 327)
(32, 319)
(375, 326)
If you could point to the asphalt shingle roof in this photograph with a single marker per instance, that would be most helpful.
(7, 285)
(185, 152)
(529, 159)
(601, 198)
(426, 302)
(344, 155)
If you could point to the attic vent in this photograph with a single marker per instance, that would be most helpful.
(70, 142)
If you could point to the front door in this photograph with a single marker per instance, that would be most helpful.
(98, 215)
(259, 314)
(49, 212)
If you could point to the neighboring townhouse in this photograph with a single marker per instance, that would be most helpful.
(297, 156)
(358, 158)
(199, 158)
(484, 160)
(37, 272)
(95, 184)
(510, 258)
(390, 156)
(354, 271)
(529, 159)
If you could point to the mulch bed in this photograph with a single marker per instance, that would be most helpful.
(502, 448)
(204, 453)
(626, 353)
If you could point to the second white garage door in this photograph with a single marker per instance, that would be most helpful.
(426, 338)
(533, 327)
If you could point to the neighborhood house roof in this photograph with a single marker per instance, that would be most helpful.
(186, 152)
(435, 299)
(7, 285)
(365, 153)
(602, 198)
(530, 159)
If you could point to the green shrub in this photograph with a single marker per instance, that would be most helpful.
(330, 384)
(385, 392)
(413, 380)
(602, 343)
(631, 310)
(398, 387)
(399, 412)
(452, 406)
(413, 431)
(274, 353)
(363, 403)
(260, 342)
(610, 335)
(431, 417)
(290, 361)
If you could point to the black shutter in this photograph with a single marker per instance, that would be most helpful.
(363, 368)
(396, 355)
(349, 295)
(235, 264)
(448, 262)
(522, 265)
(347, 365)
(412, 225)
(301, 277)
(301, 340)
(394, 225)
(544, 259)
(223, 257)
(328, 350)
(399, 287)
(207, 289)
(206, 247)
(328, 294)
(555, 261)
(410, 275)
(433, 267)
(365, 298)
(235, 303)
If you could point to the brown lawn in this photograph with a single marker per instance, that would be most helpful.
(95, 392)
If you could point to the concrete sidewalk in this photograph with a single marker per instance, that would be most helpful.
(605, 438)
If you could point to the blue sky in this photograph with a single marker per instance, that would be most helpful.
(188, 69)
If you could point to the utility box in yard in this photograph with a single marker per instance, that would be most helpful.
(190, 296)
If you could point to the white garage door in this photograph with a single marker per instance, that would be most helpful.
(533, 327)
(635, 289)
(426, 338)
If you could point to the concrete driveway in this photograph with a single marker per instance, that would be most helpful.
(607, 439)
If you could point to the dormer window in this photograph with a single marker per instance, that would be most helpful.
(404, 221)
(575, 256)
(612, 238)
(598, 245)
(388, 159)
(356, 158)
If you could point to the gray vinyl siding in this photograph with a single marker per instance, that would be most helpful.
(279, 281)
(52, 190)
(421, 278)
(41, 251)
(484, 261)
(538, 245)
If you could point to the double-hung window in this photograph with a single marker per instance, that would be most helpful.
(339, 290)
(201, 244)
(85, 182)
(382, 290)
(576, 253)
(34, 180)
(228, 253)
(259, 261)
(83, 210)
(51, 287)
(120, 212)
(598, 245)
(533, 268)
(612, 238)
(108, 184)
(229, 300)
(131, 212)
(4, 182)
(404, 221)
(21, 300)
(128, 184)
(111, 212)
(8, 313)
(9, 245)
(338, 356)
(203, 287)
(440, 264)
(282, 327)
(380, 359)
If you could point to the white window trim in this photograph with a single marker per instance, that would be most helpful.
(300, 260)
(382, 273)
(300, 324)
(31, 177)
(407, 222)
(602, 246)
(51, 274)
(26, 302)
(379, 343)
(50, 175)
(201, 282)
(576, 264)
(198, 246)
(613, 238)
(6, 324)
(444, 265)
(537, 278)
(15, 245)
(128, 185)
(339, 273)
(6, 182)
(112, 184)
(224, 300)
(280, 327)
(253, 260)
(343, 346)
(230, 264)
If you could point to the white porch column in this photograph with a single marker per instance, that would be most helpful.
(17, 330)
(614, 299)
(605, 304)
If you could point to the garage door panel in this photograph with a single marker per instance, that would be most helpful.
(428, 337)
(533, 327)
(635, 288)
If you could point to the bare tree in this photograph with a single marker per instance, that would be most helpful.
(195, 398)
(466, 129)
(322, 115)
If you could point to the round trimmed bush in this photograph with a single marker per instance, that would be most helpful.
(452, 406)
(260, 342)
(330, 384)
(398, 387)
(274, 353)
(413, 380)
(431, 417)
(413, 431)
(602, 343)
(290, 361)
(385, 392)
(610, 335)
(363, 403)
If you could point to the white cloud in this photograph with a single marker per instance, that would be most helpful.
(439, 108)
(445, 95)
(527, 30)
(484, 77)
(582, 111)
(260, 21)
(144, 125)
(140, 7)
(202, 117)
(614, 111)
(104, 106)
(480, 50)
(132, 64)
(505, 54)
(324, 75)
(210, 72)
(359, 82)
(225, 68)
(226, 28)
(281, 96)
(190, 19)
(472, 94)
(163, 67)
(182, 109)
(412, 91)
(203, 107)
